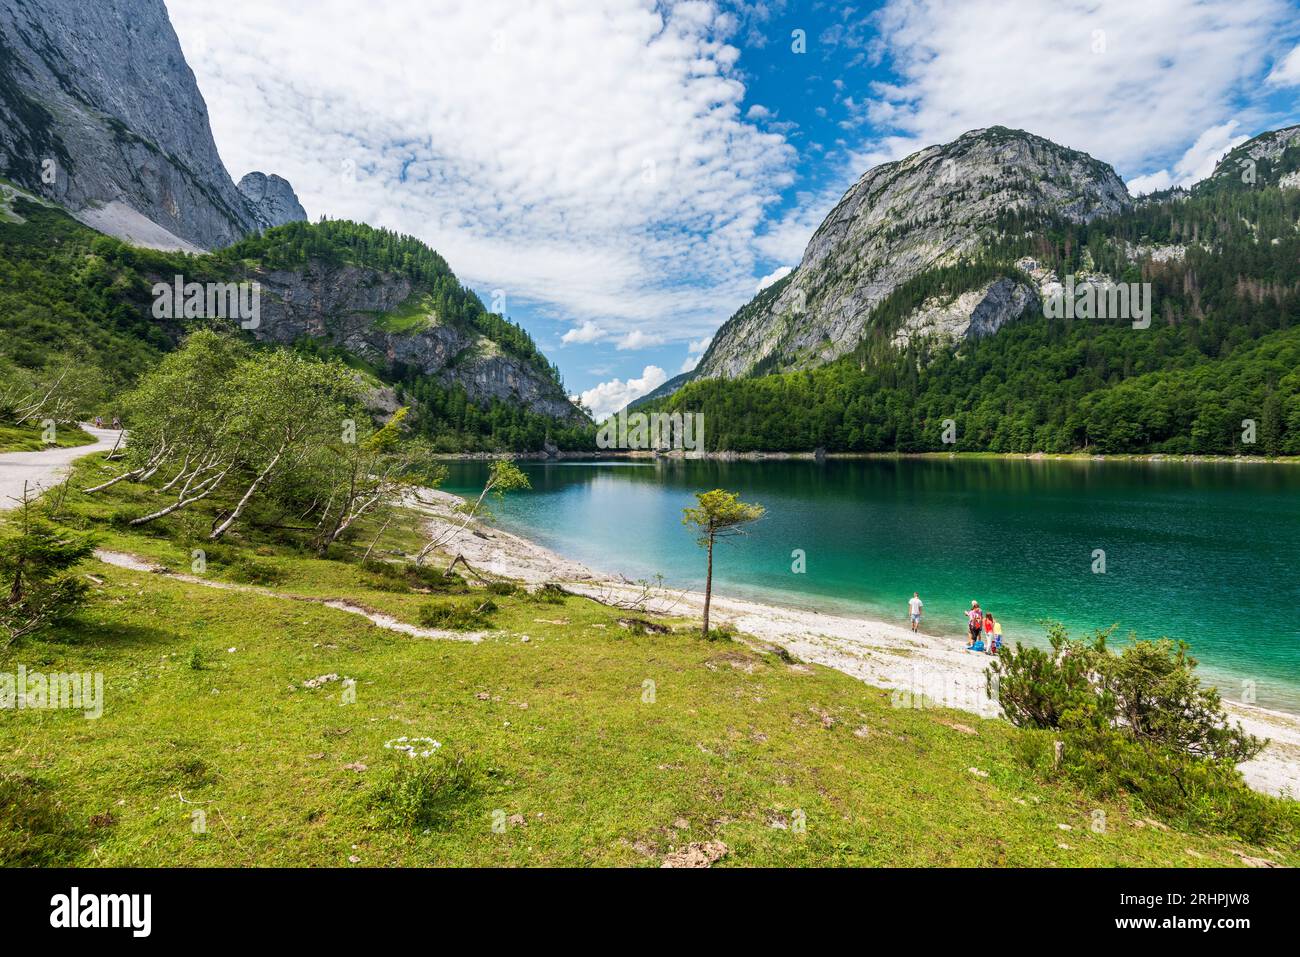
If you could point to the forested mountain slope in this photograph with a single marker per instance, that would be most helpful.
(1220, 353)
(386, 304)
(934, 209)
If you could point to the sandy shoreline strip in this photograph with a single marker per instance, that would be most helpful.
(917, 668)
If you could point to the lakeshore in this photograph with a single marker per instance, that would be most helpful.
(561, 455)
(920, 669)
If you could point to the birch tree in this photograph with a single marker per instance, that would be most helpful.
(285, 408)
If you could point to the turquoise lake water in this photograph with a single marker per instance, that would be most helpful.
(1205, 552)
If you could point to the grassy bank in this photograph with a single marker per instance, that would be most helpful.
(15, 438)
(557, 750)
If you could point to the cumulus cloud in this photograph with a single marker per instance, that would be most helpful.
(636, 339)
(587, 332)
(1128, 83)
(1287, 70)
(774, 276)
(694, 353)
(608, 397)
(509, 136)
(1196, 164)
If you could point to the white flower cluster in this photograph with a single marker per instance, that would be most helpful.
(412, 746)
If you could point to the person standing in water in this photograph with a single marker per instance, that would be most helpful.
(914, 608)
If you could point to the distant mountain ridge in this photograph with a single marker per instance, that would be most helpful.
(973, 352)
(100, 113)
(1269, 159)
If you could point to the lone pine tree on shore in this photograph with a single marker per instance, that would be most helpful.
(720, 514)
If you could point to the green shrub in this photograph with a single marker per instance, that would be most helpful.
(1192, 793)
(722, 633)
(429, 792)
(502, 589)
(549, 594)
(405, 577)
(1036, 687)
(1137, 724)
(38, 588)
(458, 616)
(1149, 692)
(252, 572)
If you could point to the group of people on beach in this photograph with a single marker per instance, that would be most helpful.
(983, 630)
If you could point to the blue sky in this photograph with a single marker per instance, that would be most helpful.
(621, 175)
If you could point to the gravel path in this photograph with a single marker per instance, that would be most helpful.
(46, 468)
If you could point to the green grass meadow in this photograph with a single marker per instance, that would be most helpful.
(577, 740)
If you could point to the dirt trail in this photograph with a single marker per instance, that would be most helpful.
(137, 564)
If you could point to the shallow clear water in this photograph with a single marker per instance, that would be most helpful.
(1204, 552)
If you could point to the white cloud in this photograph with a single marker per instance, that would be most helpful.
(695, 352)
(1196, 164)
(636, 339)
(1287, 71)
(774, 276)
(587, 332)
(759, 112)
(1150, 182)
(1129, 83)
(509, 135)
(608, 397)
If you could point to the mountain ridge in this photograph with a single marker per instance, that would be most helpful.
(930, 209)
(100, 112)
(1209, 369)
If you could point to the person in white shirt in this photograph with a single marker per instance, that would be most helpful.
(914, 607)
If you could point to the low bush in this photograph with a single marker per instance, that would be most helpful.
(458, 616)
(431, 792)
(1137, 723)
(405, 577)
(721, 633)
(252, 572)
(549, 594)
(38, 587)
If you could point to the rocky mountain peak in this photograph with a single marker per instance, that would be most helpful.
(272, 199)
(1269, 159)
(931, 209)
(100, 113)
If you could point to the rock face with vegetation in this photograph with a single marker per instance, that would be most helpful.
(934, 209)
(974, 313)
(1270, 159)
(100, 113)
(390, 322)
(934, 314)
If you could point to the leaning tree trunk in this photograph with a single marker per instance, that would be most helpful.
(708, 589)
(239, 509)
